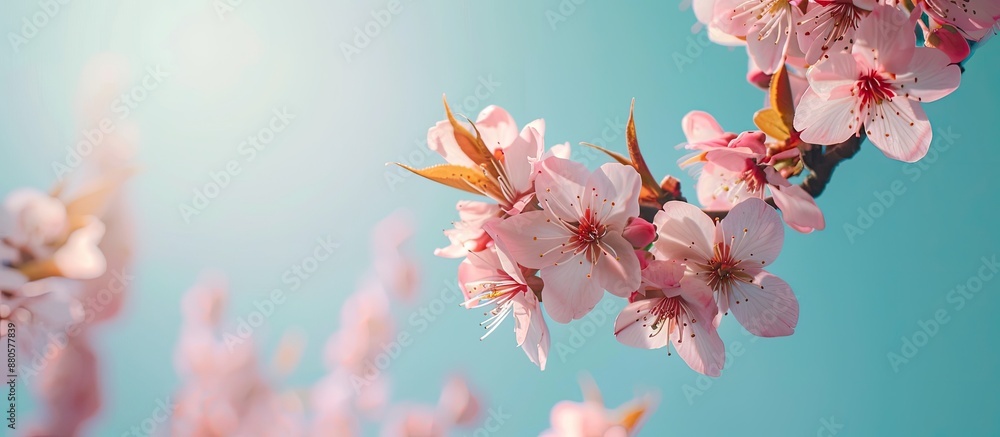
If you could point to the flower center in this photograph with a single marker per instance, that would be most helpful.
(874, 87)
(724, 271)
(754, 177)
(589, 231)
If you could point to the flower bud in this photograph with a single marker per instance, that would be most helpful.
(639, 232)
(947, 39)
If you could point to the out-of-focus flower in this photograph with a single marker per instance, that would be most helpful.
(396, 270)
(591, 418)
(458, 403)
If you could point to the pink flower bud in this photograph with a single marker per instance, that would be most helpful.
(639, 232)
(947, 39)
(757, 77)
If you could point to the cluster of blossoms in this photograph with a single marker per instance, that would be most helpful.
(65, 258)
(855, 66)
(559, 235)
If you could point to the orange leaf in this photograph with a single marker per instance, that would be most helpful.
(456, 176)
(472, 146)
(769, 121)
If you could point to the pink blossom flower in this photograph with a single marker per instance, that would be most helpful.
(675, 309)
(591, 418)
(879, 85)
(516, 152)
(468, 234)
(576, 241)
(975, 18)
(767, 25)
(491, 278)
(830, 24)
(730, 258)
(746, 169)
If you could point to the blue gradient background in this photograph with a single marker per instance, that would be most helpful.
(325, 174)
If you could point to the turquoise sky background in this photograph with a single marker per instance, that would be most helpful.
(860, 295)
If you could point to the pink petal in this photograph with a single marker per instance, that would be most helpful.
(685, 232)
(929, 76)
(533, 240)
(633, 327)
(441, 139)
(823, 121)
(754, 232)
(766, 308)
(717, 186)
(768, 53)
(496, 127)
(558, 184)
(569, 293)
(663, 274)
(530, 330)
(900, 129)
(798, 208)
(974, 17)
(613, 193)
(885, 38)
(835, 71)
(618, 269)
(700, 126)
(701, 347)
(519, 157)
